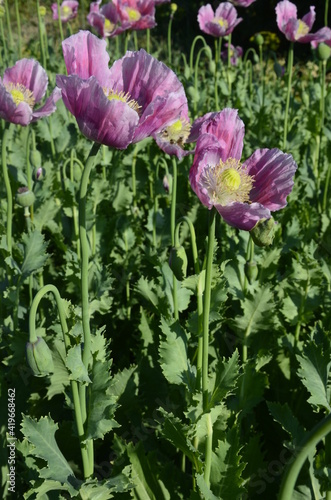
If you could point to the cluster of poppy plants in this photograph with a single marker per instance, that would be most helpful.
(141, 97)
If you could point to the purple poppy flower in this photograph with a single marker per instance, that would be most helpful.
(106, 19)
(22, 86)
(172, 138)
(68, 10)
(298, 30)
(243, 193)
(242, 3)
(221, 23)
(134, 99)
(138, 14)
(235, 54)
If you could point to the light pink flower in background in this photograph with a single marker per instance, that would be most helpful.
(298, 30)
(136, 98)
(68, 10)
(137, 14)
(235, 54)
(220, 23)
(105, 20)
(242, 192)
(22, 86)
(242, 3)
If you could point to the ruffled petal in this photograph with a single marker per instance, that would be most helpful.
(322, 35)
(97, 116)
(309, 18)
(273, 173)
(30, 74)
(242, 215)
(20, 115)
(203, 159)
(86, 55)
(49, 107)
(205, 15)
(285, 11)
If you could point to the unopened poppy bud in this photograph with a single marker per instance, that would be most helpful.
(212, 67)
(323, 52)
(39, 173)
(259, 40)
(42, 11)
(166, 184)
(263, 232)
(178, 262)
(25, 197)
(35, 158)
(39, 357)
(251, 271)
(209, 52)
(173, 7)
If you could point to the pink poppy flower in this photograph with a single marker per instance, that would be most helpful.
(134, 99)
(298, 30)
(68, 10)
(139, 14)
(22, 86)
(221, 23)
(242, 3)
(106, 19)
(235, 54)
(243, 193)
(172, 138)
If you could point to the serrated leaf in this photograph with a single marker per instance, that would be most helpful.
(174, 362)
(76, 366)
(60, 378)
(257, 311)
(102, 405)
(35, 254)
(42, 435)
(224, 379)
(39, 492)
(314, 372)
(205, 491)
(284, 416)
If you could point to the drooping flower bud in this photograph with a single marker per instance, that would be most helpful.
(165, 183)
(35, 158)
(39, 357)
(25, 197)
(173, 7)
(263, 232)
(38, 173)
(178, 262)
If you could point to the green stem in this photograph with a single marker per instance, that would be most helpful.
(5, 137)
(262, 72)
(41, 37)
(326, 12)
(74, 384)
(11, 41)
(133, 175)
(4, 43)
(208, 449)
(289, 86)
(84, 284)
(19, 32)
(148, 40)
(306, 447)
(322, 115)
(173, 226)
(199, 37)
(217, 45)
(135, 40)
(206, 306)
(229, 65)
(169, 39)
(59, 20)
(196, 73)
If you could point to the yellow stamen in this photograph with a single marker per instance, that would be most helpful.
(222, 22)
(134, 15)
(123, 97)
(20, 93)
(108, 26)
(66, 11)
(302, 30)
(177, 133)
(227, 182)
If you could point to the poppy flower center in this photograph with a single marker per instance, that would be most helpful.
(20, 93)
(134, 15)
(302, 30)
(177, 133)
(66, 11)
(221, 21)
(227, 182)
(108, 26)
(123, 97)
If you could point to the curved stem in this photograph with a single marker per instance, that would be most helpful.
(74, 385)
(206, 306)
(306, 447)
(199, 37)
(196, 72)
(9, 194)
(289, 86)
(169, 38)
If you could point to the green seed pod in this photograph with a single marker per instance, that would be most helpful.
(35, 158)
(39, 357)
(263, 232)
(178, 262)
(212, 67)
(25, 197)
(259, 40)
(251, 271)
(173, 7)
(42, 11)
(323, 52)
